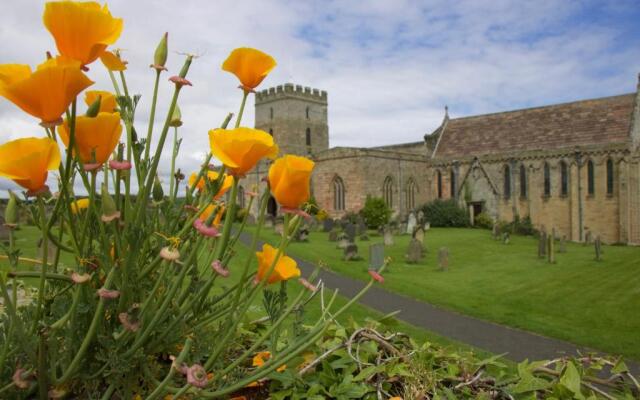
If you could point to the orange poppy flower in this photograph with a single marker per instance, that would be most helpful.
(113, 61)
(289, 179)
(240, 149)
(96, 137)
(108, 101)
(218, 208)
(47, 92)
(212, 175)
(262, 357)
(82, 31)
(26, 161)
(251, 66)
(286, 267)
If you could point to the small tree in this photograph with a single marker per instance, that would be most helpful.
(375, 212)
(444, 213)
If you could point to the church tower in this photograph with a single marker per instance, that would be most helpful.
(296, 117)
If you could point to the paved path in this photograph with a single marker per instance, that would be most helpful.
(495, 338)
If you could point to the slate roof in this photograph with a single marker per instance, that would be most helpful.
(580, 123)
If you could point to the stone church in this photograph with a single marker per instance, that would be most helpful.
(574, 167)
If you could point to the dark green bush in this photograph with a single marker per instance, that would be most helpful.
(375, 212)
(445, 213)
(519, 226)
(483, 221)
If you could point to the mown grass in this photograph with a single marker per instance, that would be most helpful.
(587, 302)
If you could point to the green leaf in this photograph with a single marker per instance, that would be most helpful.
(620, 367)
(571, 380)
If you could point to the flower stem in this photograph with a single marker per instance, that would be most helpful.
(152, 115)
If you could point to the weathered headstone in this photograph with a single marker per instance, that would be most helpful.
(443, 258)
(418, 234)
(268, 221)
(506, 238)
(421, 217)
(495, 232)
(343, 241)
(327, 225)
(597, 244)
(376, 256)
(388, 237)
(351, 252)
(563, 244)
(542, 244)
(279, 227)
(302, 235)
(400, 229)
(588, 238)
(333, 236)
(350, 231)
(414, 252)
(551, 249)
(427, 226)
(411, 223)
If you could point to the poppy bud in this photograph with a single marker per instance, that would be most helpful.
(11, 212)
(176, 117)
(109, 210)
(160, 56)
(94, 108)
(158, 193)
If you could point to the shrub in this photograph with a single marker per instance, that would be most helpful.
(321, 215)
(375, 212)
(483, 221)
(519, 226)
(312, 206)
(445, 213)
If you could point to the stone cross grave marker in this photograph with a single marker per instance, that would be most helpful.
(351, 252)
(350, 231)
(411, 223)
(443, 258)
(327, 225)
(376, 256)
(388, 237)
(414, 252)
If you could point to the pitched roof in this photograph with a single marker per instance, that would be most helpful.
(579, 123)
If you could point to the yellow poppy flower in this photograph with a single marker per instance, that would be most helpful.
(289, 179)
(47, 92)
(251, 66)
(219, 209)
(82, 31)
(212, 175)
(79, 205)
(240, 149)
(26, 161)
(286, 267)
(107, 101)
(96, 136)
(112, 61)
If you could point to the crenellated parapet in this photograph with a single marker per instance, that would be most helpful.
(291, 90)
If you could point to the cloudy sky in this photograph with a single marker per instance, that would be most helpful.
(389, 67)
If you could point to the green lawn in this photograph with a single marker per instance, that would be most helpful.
(578, 299)
(27, 237)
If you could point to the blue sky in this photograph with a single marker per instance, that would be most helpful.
(389, 67)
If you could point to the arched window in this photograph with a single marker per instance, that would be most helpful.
(453, 185)
(271, 112)
(523, 181)
(564, 179)
(387, 191)
(591, 180)
(307, 112)
(439, 182)
(308, 136)
(411, 194)
(338, 194)
(547, 180)
(240, 198)
(609, 177)
(507, 182)
(271, 132)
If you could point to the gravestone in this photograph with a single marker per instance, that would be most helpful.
(506, 238)
(351, 252)
(388, 237)
(279, 227)
(376, 256)
(418, 234)
(411, 223)
(597, 245)
(551, 249)
(414, 252)
(302, 235)
(542, 244)
(268, 221)
(443, 258)
(401, 229)
(350, 231)
(250, 219)
(364, 237)
(327, 225)
(333, 236)
(495, 231)
(563, 244)
(362, 226)
(421, 217)
(587, 238)
(427, 226)
(343, 241)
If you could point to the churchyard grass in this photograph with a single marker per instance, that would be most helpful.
(577, 299)
(27, 237)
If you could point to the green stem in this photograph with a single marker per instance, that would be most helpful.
(42, 366)
(178, 361)
(152, 115)
(43, 270)
(174, 154)
(245, 94)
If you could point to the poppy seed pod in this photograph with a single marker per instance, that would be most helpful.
(11, 212)
(176, 117)
(109, 210)
(158, 193)
(160, 55)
